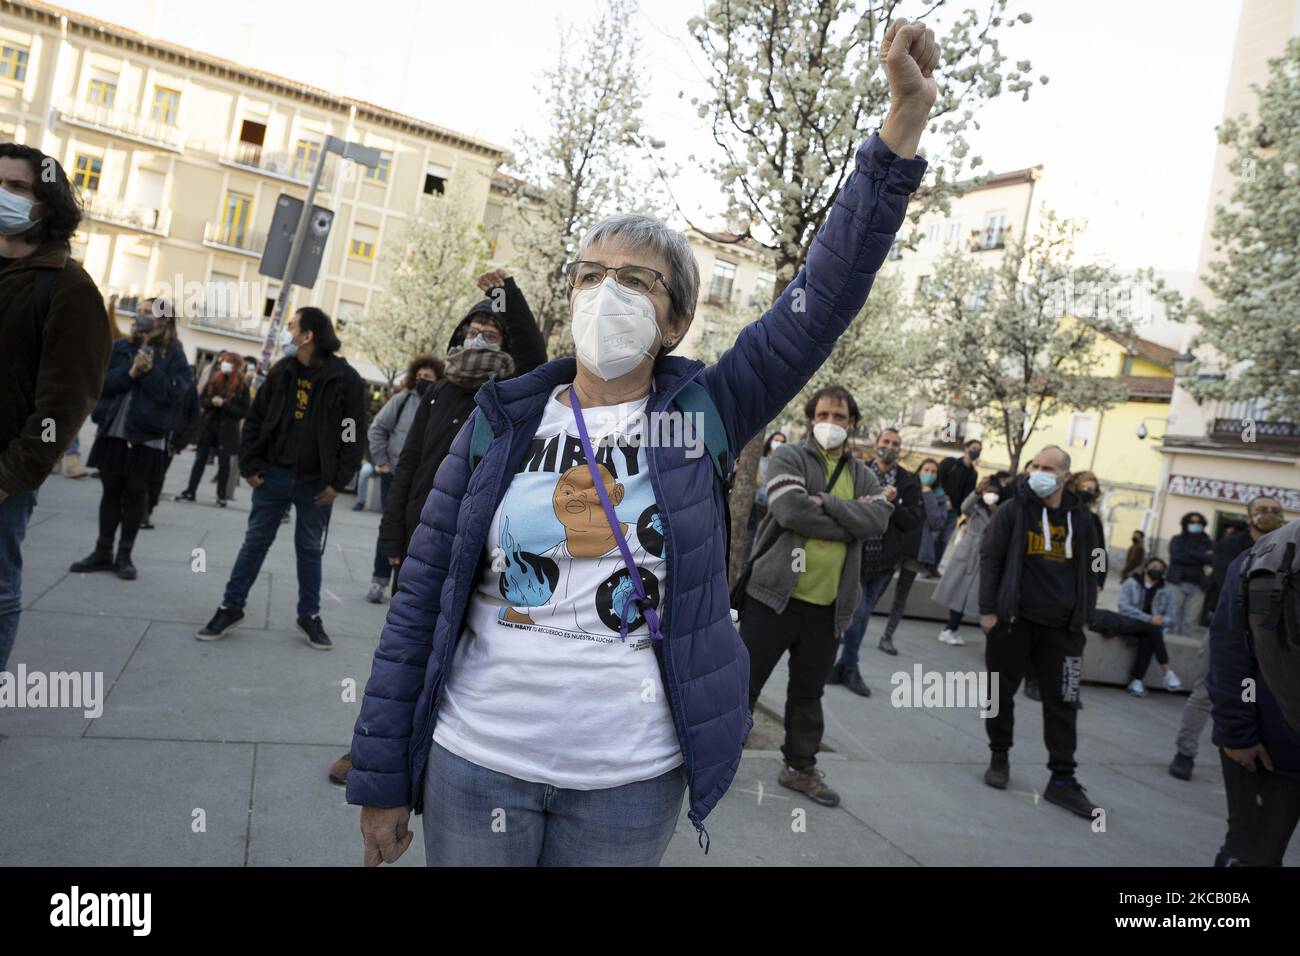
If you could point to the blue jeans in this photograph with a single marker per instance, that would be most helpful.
(478, 817)
(270, 502)
(14, 512)
(873, 586)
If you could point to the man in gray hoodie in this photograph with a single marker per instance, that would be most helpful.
(803, 583)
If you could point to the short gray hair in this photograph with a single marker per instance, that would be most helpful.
(639, 231)
(1064, 455)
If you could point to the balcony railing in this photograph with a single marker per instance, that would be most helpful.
(1250, 422)
(224, 236)
(243, 327)
(719, 292)
(290, 167)
(144, 218)
(990, 237)
(121, 123)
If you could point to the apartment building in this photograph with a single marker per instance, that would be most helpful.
(181, 157)
(737, 279)
(1216, 456)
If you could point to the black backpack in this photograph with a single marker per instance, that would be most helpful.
(1270, 592)
(42, 294)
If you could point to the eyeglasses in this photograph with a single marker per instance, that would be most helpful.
(584, 274)
(491, 334)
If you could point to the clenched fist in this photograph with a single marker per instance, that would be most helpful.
(910, 54)
(490, 280)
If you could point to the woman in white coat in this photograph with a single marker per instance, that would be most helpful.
(959, 589)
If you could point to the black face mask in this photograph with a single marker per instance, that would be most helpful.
(422, 386)
(1156, 576)
(1087, 497)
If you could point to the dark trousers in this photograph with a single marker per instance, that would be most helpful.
(807, 631)
(1263, 809)
(123, 504)
(383, 572)
(1151, 642)
(874, 584)
(156, 485)
(1056, 655)
(209, 444)
(901, 590)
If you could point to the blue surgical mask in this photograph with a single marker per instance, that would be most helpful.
(1042, 483)
(15, 214)
(927, 478)
(287, 345)
(1194, 528)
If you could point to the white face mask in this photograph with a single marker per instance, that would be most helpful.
(227, 368)
(614, 329)
(287, 344)
(990, 498)
(829, 435)
(15, 213)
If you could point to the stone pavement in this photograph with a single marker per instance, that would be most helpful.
(245, 728)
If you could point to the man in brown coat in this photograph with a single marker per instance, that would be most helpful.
(54, 345)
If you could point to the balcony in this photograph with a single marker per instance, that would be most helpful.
(244, 241)
(990, 237)
(1249, 422)
(122, 124)
(719, 293)
(286, 167)
(156, 222)
(237, 326)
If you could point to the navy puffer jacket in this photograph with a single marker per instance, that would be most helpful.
(704, 666)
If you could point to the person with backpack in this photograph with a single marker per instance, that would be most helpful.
(223, 405)
(1263, 515)
(54, 348)
(560, 649)
(1254, 688)
(138, 411)
(300, 446)
(387, 436)
(1144, 606)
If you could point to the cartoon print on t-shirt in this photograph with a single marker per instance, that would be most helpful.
(562, 570)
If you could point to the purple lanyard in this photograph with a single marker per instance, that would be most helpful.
(641, 601)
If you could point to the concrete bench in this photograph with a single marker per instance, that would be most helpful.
(1106, 660)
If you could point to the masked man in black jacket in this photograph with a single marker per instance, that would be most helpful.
(1036, 592)
(499, 336)
(302, 442)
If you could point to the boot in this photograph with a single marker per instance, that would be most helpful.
(72, 467)
(123, 566)
(101, 559)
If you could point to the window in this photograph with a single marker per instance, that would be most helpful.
(764, 286)
(223, 296)
(363, 242)
(435, 178)
(954, 230)
(234, 219)
(492, 215)
(13, 63)
(994, 225)
(379, 174)
(932, 232)
(895, 251)
(305, 156)
(103, 89)
(724, 275)
(166, 105)
(922, 283)
(1081, 429)
(348, 312)
(86, 171)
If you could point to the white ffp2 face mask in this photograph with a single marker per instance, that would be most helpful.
(613, 329)
(829, 435)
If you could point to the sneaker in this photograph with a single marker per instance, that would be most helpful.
(853, 681)
(1172, 682)
(957, 640)
(339, 769)
(836, 675)
(1031, 690)
(999, 773)
(1137, 688)
(810, 782)
(221, 502)
(947, 635)
(315, 631)
(186, 495)
(887, 645)
(97, 560)
(123, 567)
(1181, 767)
(359, 506)
(222, 621)
(147, 524)
(376, 594)
(1070, 795)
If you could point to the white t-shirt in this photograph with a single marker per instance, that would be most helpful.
(542, 687)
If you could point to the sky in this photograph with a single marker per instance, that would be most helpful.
(1124, 128)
